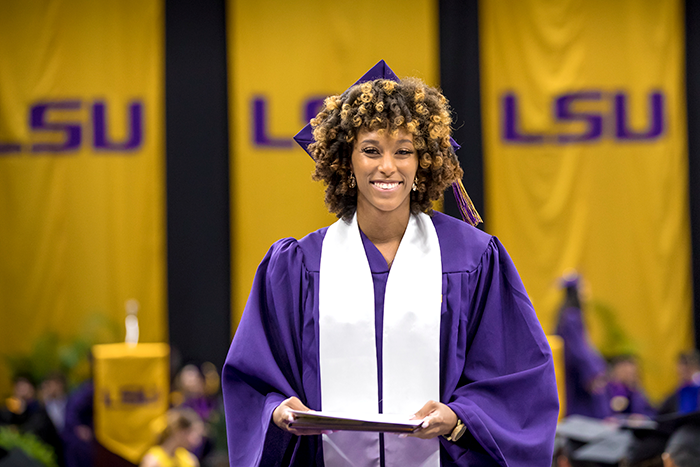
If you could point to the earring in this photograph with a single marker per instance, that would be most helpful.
(351, 182)
(415, 184)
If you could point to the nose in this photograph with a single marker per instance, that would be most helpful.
(388, 164)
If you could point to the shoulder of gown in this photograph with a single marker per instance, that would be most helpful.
(461, 245)
(310, 246)
(290, 252)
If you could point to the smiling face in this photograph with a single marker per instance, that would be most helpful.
(385, 166)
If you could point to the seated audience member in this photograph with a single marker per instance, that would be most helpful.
(53, 395)
(192, 384)
(183, 431)
(685, 398)
(78, 429)
(26, 414)
(625, 396)
(585, 367)
(198, 390)
(683, 448)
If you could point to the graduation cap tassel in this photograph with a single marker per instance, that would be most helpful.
(466, 207)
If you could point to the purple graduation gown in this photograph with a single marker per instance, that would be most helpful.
(79, 411)
(496, 367)
(583, 364)
(637, 402)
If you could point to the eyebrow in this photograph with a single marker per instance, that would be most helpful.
(374, 141)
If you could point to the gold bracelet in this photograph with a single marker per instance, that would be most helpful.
(457, 432)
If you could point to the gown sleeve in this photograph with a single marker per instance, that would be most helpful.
(264, 363)
(506, 394)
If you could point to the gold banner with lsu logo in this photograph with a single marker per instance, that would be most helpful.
(132, 390)
(284, 59)
(586, 165)
(81, 168)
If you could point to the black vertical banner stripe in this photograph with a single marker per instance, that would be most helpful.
(199, 285)
(459, 79)
(692, 82)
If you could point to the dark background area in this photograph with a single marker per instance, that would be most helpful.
(692, 83)
(197, 180)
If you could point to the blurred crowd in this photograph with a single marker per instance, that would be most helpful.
(61, 422)
(609, 419)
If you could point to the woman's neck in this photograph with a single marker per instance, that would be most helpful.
(384, 229)
(170, 445)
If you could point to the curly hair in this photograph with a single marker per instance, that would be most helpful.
(384, 105)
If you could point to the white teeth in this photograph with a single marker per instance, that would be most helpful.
(386, 186)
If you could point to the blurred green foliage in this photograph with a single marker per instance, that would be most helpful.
(30, 444)
(610, 337)
(51, 353)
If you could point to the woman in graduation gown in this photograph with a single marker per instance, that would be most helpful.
(393, 309)
(585, 367)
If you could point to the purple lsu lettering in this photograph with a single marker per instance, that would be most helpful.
(261, 135)
(43, 119)
(613, 124)
(132, 395)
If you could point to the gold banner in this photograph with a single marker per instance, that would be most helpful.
(586, 165)
(284, 58)
(132, 389)
(81, 167)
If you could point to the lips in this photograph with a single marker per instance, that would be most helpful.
(386, 185)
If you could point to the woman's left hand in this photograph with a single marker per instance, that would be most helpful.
(438, 419)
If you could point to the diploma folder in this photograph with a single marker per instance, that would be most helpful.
(384, 423)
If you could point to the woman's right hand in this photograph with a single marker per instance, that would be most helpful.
(283, 416)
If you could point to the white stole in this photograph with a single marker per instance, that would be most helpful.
(411, 341)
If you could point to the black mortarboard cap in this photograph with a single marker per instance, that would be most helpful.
(650, 441)
(671, 422)
(584, 429)
(586, 439)
(608, 450)
(600, 442)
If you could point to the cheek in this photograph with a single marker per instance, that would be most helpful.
(362, 166)
(410, 167)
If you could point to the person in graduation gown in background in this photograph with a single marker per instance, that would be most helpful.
(585, 366)
(624, 390)
(392, 309)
